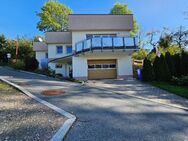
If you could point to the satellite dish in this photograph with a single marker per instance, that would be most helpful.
(40, 39)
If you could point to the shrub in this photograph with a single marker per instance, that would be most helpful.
(17, 65)
(161, 69)
(58, 75)
(177, 64)
(170, 63)
(184, 63)
(148, 72)
(31, 63)
(182, 81)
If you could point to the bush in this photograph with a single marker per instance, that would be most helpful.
(148, 72)
(184, 63)
(31, 63)
(17, 65)
(170, 62)
(58, 75)
(161, 69)
(182, 81)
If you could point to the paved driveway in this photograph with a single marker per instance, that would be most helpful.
(106, 116)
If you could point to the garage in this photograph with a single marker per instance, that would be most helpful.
(102, 69)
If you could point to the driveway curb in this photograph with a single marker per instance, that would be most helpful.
(139, 97)
(61, 133)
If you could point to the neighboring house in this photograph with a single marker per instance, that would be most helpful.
(95, 47)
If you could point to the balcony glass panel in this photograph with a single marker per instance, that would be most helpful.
(118, 41)
(79, 46)
(129, 41)
(107, 42)
(96, 42)
(87, 44)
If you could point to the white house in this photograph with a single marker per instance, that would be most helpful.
(97, 46)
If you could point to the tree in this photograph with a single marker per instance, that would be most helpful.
(184, 63)
(119, 9)
(161, 69)
(165, 41)
(180, 37)
(148, 72)
(170, 63)
(53, 17)
(151, 38)
(141, 54)
(2, 48)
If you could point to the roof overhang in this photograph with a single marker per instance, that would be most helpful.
(58, 37)
(65, 59)
(98, 22)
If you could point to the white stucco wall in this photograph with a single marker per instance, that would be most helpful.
(64, 70)
(40, 55)
(79, 36)
(79, 65)
(124, 63)
(52, 52)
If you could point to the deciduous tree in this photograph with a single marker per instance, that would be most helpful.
(53, 17)
(119, 9)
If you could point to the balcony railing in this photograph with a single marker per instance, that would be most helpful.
(102, 43)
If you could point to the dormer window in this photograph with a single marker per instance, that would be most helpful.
(59, 49)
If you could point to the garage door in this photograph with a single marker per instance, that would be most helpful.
(102, 69)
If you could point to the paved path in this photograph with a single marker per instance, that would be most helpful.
(106, 116)
(139, 89)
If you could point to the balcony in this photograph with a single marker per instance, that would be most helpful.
(106, 43)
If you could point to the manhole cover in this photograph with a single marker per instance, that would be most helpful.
(53, 92)
(23, 84)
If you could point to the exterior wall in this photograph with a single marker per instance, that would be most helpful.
(124, 65)
(125, 69)
(64, 70)
(79, 36)
(79, 65)
(40, 55)
(52, 53)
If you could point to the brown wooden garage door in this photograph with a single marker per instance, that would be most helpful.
(102, 69)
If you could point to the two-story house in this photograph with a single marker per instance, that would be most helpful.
(96, 46)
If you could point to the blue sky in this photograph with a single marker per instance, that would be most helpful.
(18, 17)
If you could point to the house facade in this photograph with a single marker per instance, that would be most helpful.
(94, 47)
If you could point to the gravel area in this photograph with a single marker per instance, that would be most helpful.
(22, 118)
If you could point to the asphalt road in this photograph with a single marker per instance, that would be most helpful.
(106, 116)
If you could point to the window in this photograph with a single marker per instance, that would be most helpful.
(89, 36)
(59, 49)
(69, 49)
(105, 66)
(101, 66)
(112, 65)
(58, 66)
(91, 66)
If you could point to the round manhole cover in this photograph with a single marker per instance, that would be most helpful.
(53, 92)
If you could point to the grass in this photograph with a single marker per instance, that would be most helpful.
(4, 87)
(178, 90)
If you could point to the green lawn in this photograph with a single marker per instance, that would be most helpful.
(4, 87)
(179, 90)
